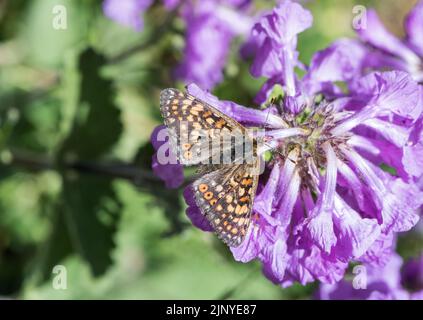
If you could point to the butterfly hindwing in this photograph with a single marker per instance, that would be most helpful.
(225, 197)
(193, 124)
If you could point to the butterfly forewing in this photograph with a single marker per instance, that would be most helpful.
(195, 125)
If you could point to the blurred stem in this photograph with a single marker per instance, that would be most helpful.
(35, 162)
(155, 35)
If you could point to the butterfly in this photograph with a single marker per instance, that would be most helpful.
(226, 189)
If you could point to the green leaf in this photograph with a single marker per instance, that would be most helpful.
(91, 210)
(85, 224)
(97, 125)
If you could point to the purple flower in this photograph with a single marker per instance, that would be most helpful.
(324, 200)
(401, 54)
(127, 12)
(171, 4)
(394, 281)
(275, 39)
(210, 28)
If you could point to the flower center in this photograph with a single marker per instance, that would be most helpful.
(313, 130)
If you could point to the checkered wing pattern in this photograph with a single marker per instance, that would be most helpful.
(225, 192)
(226, 197)
(193, 125)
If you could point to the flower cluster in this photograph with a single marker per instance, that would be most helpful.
(343, 176)
(386, 50)
(211, 26)
(394, 281)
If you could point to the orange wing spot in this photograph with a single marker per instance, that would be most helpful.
(244, 199)
(225, 223)
(210, 120)
(186, 146)
(220, 123)
(228, 227)
(244, 209)
(237, 209)
(197, 107)
(213, 202)
(207, 114)
(230, 208)
(247, 181)
(208, 195)
(203, 187)
(234, 231)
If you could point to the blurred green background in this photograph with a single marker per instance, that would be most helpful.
(77, 108)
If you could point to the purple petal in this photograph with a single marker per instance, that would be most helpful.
(381, 284)
(396, 134)
(268, 63)
(262, 204)
(414, 28)
(387, 94)
(164, 163)
(319, 224)
(211, 27)
(355, 234)
(241, 114)
(171, 4)
(342, 61)
(284, 207)
(126, 12)
(194, 213)
(377, 35)
(274, 257)
(324, 267)
(285, 22)
(412, 273)
(250, 247)
(413, 159)
(276, 36)
(380, 251)
(397, 200)
(393, 91)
